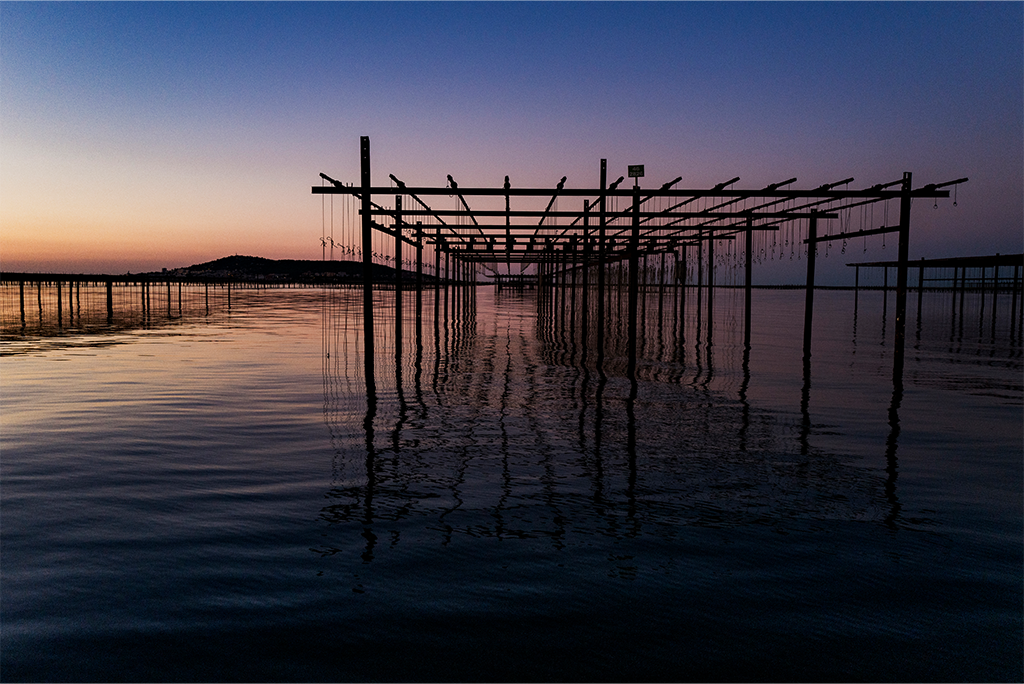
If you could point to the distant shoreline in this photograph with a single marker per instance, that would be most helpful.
(241, 269)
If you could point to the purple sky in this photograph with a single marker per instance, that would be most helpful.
(141, 135)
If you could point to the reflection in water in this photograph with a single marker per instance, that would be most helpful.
(510, 502)
(891, 467)
(523, 432)
(45, 315)
(514, 429)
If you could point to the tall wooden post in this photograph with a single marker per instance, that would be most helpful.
(749, 250)
(700, 280)
(901, 280)
(398, 280)
(812, 244)
(21, 300)
(367, 234)
(572, 288)
(661, 290)
(634, 266)
(419, 281)
(585, 292)
(602, 206)
(681, 276)
(437, 274)
(711, 285)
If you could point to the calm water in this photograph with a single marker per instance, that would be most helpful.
(214, 498)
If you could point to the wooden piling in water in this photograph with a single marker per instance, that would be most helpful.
(367, 236)
(812, 234)
(634, 261)
(747, 270)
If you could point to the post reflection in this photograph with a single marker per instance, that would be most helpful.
(891, 464)
(529, 433)
(105, 307)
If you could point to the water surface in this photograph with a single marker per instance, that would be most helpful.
(215, 498)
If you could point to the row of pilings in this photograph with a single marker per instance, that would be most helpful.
(52, 303)
(583, 299)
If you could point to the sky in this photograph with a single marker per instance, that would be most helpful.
(140, 136)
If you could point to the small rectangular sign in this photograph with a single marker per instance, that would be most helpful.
(636, 171)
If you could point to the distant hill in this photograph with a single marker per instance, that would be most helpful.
(289, 270)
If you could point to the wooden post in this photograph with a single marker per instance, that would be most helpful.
(700, 279)
(419, 280)
(901, 281)
(634, 265)
(110, 301)
(584, 294)
(398, 280)
(572, 289)
(681, 276)
(21, 300)
(711, 285)
(812, 244)
(367, 235)
(748, 268)
(437, 274)
(601, 265)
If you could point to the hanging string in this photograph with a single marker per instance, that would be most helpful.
(954, 193)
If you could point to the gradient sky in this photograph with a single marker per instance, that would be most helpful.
(135, 136)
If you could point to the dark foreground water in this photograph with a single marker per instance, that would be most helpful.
(214, 498)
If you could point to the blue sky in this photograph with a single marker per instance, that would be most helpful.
(135, 136)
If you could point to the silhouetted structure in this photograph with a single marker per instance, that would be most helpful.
(601, 236)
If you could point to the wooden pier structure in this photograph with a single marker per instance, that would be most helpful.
(610, 238)
(48, 304)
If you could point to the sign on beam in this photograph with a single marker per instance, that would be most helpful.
(636, 170)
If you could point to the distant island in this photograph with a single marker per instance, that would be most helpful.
(259, 269)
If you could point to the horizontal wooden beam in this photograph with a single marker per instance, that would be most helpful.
(881, 193)
(573, 214)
